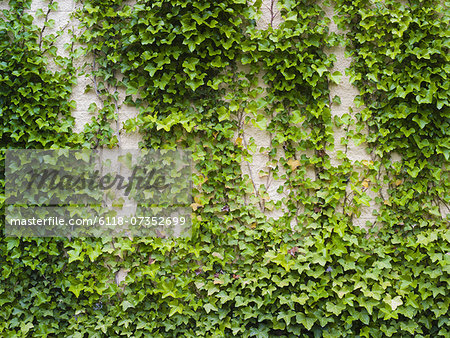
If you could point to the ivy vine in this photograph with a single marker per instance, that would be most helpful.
(200, 73)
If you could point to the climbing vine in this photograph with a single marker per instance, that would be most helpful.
(400, 65)
(201, 75)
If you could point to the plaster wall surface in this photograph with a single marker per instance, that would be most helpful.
(270, 16)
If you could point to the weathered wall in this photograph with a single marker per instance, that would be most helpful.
(270, 16)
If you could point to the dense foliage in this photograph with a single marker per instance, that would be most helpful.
(200, 72)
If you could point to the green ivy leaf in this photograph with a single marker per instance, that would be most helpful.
(335, 77)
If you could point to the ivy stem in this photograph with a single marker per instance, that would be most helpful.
(261, 203)
(41, 34)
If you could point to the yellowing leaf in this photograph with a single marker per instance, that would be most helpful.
(365, 183)
(294, 164)
(218, 281)
(239, 141)
(398, 182)
(195, 206)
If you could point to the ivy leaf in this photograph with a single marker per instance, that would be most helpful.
(307, 321)
(335, 308)
(49, 23)
(414, 171)
(335, 77)
(422, 122)
(76, 289)
(25, 327)
(336, 99)
(218, 255)
(393, 302)
(214, 84)
(291, 17)
(297, 117)
(261, 122)
(39, 13)
(224, 114)
(132, 89)
(92, 107)
(175, 307)
(151, 69)
(190, 63)
(300, 299)
(320, 70)
(126, 305)
(195, 83)
(210, 307)
(294, 164)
